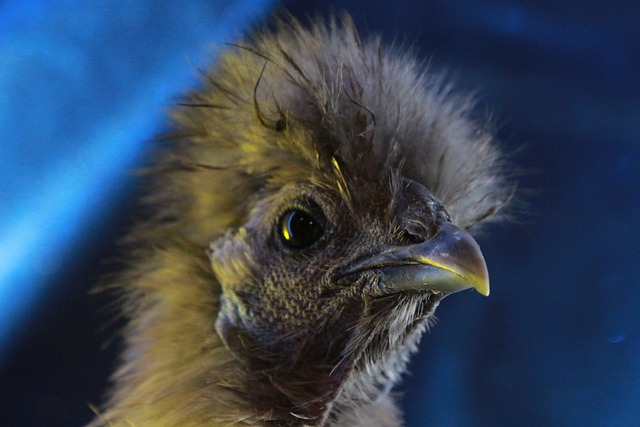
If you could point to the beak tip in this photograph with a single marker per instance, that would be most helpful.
(480, 279)
(481, 285)
(484, 290)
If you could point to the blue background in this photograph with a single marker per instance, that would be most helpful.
(83, 90)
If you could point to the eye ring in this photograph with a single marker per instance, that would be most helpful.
(299, 229)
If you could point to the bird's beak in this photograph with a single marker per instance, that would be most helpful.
(450, 261)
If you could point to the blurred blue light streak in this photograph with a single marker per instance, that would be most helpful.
(70, 134)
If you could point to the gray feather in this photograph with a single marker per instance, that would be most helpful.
(221, 329)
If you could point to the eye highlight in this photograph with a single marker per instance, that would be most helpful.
(299, 229)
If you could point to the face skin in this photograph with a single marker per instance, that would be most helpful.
(325, 283)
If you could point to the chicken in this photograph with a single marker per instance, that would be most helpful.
(308, 215)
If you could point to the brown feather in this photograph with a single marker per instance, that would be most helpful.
(216, 336)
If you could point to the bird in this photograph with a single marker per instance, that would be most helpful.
(311, 206)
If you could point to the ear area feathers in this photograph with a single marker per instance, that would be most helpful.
(233, 266)
(228, 329)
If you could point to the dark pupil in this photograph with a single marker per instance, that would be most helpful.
(299, 229)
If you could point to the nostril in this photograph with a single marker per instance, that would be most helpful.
(411, 238)
(417, 232)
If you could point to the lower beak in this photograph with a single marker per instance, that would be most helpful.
(450, 261)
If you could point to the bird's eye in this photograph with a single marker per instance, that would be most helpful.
(299, 229)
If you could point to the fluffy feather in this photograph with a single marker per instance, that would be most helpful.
(225, 327)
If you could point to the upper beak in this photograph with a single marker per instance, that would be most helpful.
(450, 261)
